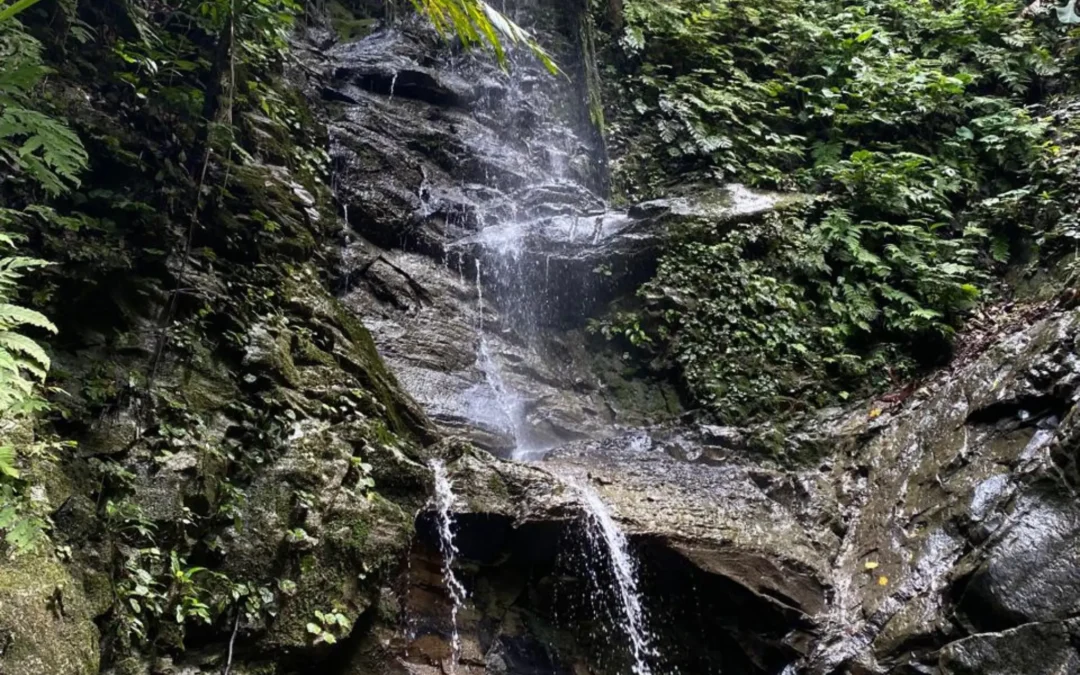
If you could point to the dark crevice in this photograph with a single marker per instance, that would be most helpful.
(1027, 410)
(411, 84)
(705, 622)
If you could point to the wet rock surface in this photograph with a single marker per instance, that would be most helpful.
(470, 199)
(939, 536)
(926, 539)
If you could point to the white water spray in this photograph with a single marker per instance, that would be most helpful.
(444, 520)
(604, 534)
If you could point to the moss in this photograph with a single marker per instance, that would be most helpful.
(205, 392)
(347, 25)
(1044, 283)
(635, 396)
(383, 435)
(45, 612)
(376, 376)
(497, 487)
(98, 588)
(271, 348)
(130, 666)
(360, 531)
(306, 351)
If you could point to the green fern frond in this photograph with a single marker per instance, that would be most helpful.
(14, 342)
(14, 315)
(18, 262)
(7, 462)
(9, 11)
(49, 151)
(476, 22)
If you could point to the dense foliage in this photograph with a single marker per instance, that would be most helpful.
(46, 157)
(913, 125)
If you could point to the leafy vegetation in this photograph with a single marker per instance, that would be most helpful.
(328, 627)
(911, 124)
(475, 23)
(43, 153)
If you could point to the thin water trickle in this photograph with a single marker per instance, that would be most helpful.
(444, 519)
(606, 537)
(479, 301)
(509, 417)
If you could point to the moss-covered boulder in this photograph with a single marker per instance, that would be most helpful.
(46, 623)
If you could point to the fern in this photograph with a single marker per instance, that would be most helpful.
(475, 23)
(23, 530)
(41, 147)
(7, 462)
(47, 150)
(12, 316)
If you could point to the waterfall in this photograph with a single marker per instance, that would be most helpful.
(606, 539)
(509, 405)
(444, 520)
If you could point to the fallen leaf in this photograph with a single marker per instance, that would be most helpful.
(870, 565)
(876, 412)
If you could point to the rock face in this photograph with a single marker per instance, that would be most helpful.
(941, 536)
(46, 620)
(933, 538)
(484, 249)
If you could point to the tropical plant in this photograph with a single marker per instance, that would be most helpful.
(910, 124)
(36, 151)
(23, 363)
(476, 23)
(328, 627)
(33, 144)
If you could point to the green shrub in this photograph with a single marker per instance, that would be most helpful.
(910, 122)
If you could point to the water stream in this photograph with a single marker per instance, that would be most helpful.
(512, 274)
(444, 518)
(607, 541)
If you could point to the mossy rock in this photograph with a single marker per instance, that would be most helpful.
(362, 544)
(347, 25)
(353, 352)
(46, 627)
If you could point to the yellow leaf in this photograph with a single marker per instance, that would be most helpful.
(876, 412)
(870, 565)
(883, 581)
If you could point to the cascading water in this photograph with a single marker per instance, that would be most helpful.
(444, 519)
(519, 283)
(606, 540)
(503, 191)
(501, 246)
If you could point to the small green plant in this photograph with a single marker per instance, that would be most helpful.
(328, 627)
(140, 596)
(186, 594)
(25, 528)
(364, 482)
